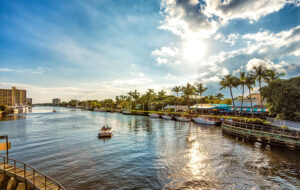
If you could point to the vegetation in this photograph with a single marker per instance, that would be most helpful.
(281, 95)
(283, 98)
(230, 82)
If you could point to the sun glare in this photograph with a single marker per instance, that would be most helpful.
(193, 50)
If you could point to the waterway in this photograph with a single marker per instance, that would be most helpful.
(144, 153)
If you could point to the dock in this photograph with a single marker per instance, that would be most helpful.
(18, 175)
(265, 134)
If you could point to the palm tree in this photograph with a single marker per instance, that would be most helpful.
(161, 95)
(135, 95)
(176, 89)
(230, 82)
(200, 89)
(242, 82)
(219, 96)
(272, 75)
(260, 74)
(150, 95)
(250, 82)
(188, 90)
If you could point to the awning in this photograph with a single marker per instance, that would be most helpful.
(249, 109)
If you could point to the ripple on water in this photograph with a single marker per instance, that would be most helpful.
(145, 153)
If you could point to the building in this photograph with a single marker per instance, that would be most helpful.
(13, 97)
(255, 97)
(179, 108)
(56, 101)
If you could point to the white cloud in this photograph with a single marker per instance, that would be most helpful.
(246, 9)
(230, 39)
(165, 52)
(160, 60)
(281, 67)
(38, 70)
(201, 20)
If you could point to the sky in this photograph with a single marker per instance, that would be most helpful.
(96, 49)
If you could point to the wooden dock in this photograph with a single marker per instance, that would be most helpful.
(28, 175)
(264, 134)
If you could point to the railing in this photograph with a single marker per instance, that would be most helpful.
(270, 129)
(29, 174)
(279, 123)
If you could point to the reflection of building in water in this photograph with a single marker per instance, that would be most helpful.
(13, 97)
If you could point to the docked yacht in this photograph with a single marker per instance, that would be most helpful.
(167, 117)
(184, 119)
(204, 121)
(153, 115)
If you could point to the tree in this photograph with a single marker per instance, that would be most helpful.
(135, 95)
(188, 91)
(230, 82)
(242, 82)
(200, 89)
(176, 89)
(260, 73)
(250, 82)
(150, 94)
(219, 96)
(272, 75)
(283, 98)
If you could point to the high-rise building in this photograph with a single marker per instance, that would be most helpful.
(56, 101)
(12, 97)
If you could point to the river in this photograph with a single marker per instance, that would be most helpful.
(144, 153)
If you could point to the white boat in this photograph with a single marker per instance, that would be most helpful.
(204, 121)
(154, 115)
(126, 112)
(105, 131)
(183, 119)
(166, 117)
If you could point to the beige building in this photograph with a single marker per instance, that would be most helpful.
(12, 97)
(56, 101)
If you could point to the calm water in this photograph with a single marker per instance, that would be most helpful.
(145, 153)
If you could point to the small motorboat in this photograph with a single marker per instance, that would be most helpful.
(153, 115)
(54, 111)
(167, 117)
(204, 121)
(105, 131)
(126, 112)
(184, 119)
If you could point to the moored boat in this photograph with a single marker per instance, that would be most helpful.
(126, 112)
(204, 121)
(153, 115)
(167, 117)
(183, 119)
(105, 131)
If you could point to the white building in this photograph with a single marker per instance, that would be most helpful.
(56, 101)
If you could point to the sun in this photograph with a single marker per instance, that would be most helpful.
(193, 50)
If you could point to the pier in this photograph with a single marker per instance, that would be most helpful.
(18, 175)
(265, 134)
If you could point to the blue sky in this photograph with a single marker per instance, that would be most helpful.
(99, 49)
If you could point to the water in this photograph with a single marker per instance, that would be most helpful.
(145, 153)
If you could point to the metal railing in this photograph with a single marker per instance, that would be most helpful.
(265, 128)
(279, 123)
(29, 174)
